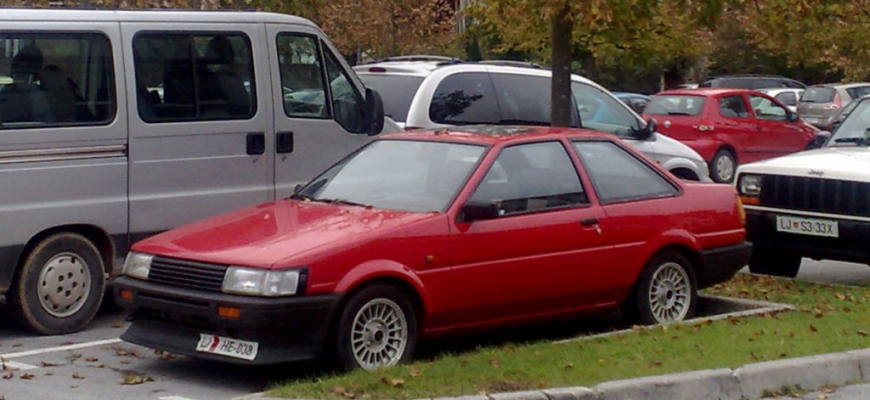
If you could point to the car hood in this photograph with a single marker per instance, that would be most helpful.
(674, 148)
(845, 163)
(266, 235)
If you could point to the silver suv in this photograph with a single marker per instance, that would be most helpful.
(446, 92)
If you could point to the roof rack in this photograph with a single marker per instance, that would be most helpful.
(511, 63)
(420, 57)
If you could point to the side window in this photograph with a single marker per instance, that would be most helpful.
(347, 103)
(618, 176)
(301, 70)
(787, 98)
(522, 99)
(194, 76)
(464, 99)
(601, 112)
(766, 109)
(733, 107)
(55, 79)
(531, 177)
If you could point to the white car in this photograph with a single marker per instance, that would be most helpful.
(812, 204)
(447, 92)
(787, 96)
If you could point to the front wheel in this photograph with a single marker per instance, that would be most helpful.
(377, 328)
(776, 262)
(723, 166)
(60, 286)
(666, 290)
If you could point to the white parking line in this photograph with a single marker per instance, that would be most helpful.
(17, 366)
(173, 398)
(59, 348)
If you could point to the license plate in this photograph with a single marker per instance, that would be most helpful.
(811, 120)
(807, 226)
(225, 346)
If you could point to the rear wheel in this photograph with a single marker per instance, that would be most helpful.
(60, 286)
(723, 166)
(377, 328)
(774, 261)
(666, 291)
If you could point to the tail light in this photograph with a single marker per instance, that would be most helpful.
(838, 102)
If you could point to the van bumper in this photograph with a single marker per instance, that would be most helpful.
(173, 319)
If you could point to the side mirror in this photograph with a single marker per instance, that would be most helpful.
(374, 113)
(647, 131)
(822, 137)
(471, 212)
(791, 117)
(298, 187)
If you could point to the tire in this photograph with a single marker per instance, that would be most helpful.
(723, 166)
(773, 261)
(671, 275)
(372, 311)
(60, 285)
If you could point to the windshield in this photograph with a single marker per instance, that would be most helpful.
(396, 92)
(675, 105)
(854, 130)
(401, 175)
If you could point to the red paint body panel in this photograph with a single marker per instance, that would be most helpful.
(751, 138)
(484, 274)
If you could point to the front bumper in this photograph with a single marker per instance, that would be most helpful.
(853, 243)
(721, 263)
(171, 319)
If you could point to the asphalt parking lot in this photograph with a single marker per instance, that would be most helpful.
(95, 363)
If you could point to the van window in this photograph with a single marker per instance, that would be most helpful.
(347, 104)
(523, 99)
(465, 99)
(194, 76)
(301, 71)
(55, 79)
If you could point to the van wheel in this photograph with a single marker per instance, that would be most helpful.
(723, 166)
(773, 261)
(60, 286)
(666, 291)
(377, 328)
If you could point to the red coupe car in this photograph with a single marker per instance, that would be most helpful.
(428, 233)
(728, 127)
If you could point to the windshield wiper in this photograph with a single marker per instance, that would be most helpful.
(342, 201)
(300, 196)
(860, 141)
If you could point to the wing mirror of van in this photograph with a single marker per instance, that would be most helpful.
(374, 113)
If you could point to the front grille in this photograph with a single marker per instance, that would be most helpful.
(187, 274)
(830, 196)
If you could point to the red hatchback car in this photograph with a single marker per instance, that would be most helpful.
(728, 127)
(427, 233)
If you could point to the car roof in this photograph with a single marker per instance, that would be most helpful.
(705, 92)
(184, 16)
(842, 85)
(493, 134)
(628, 95)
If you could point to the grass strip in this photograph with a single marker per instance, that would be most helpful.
(826, 319)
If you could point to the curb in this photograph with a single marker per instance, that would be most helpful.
(751, 381)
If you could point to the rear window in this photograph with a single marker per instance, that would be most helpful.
(818, 95)
(675, 105)
(396, 92)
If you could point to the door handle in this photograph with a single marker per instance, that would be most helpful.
(284, 142)
(256, 143)
(589, 222)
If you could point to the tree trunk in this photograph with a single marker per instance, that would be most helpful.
(560, 95)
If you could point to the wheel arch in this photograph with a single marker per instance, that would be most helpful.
(96, 235)
(389, 273)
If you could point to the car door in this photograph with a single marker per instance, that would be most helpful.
(318, 105)
(198, 121)
(542, 254)
(733, 126)
(776, 135)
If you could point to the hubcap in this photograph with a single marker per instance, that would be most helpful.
(380, 334)
(669, 295)
(64, 285)
(725, 168)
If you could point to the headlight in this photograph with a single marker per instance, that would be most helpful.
(750, 185)
(261, 282)
(138, 265)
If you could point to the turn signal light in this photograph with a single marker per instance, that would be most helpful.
(126, 294)
(753, 201)
(740, 211)
(229, 312)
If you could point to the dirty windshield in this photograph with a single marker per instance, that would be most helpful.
(855, 130)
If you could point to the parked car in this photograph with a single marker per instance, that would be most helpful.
(752, 81)
(811, 204)
(789, 97)
(429, 233)
(636, 101)
(730, 126)
(116, 125)
(840, 116)
(437, 94)
(820, 103)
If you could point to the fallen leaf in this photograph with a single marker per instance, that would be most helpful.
(118, 325)
(77, 375)
(125, 362)
(17, 345)
(821, 397)
(393, 382)
(48, 364)
(813, 328)
(827, 390)
(416, 373)
(120, 352)
(840, 296)
(8, 375)
(569, 366)
(92, 359)
(27, 376)
(49, 374)
(494, 363)
(100, 366)
(863, 332)
(655, 363)
(135, 379)
(338, 390)
(349, 395)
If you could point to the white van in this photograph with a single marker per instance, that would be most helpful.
(115, 125)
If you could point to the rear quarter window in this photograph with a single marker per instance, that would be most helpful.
(465, 99)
